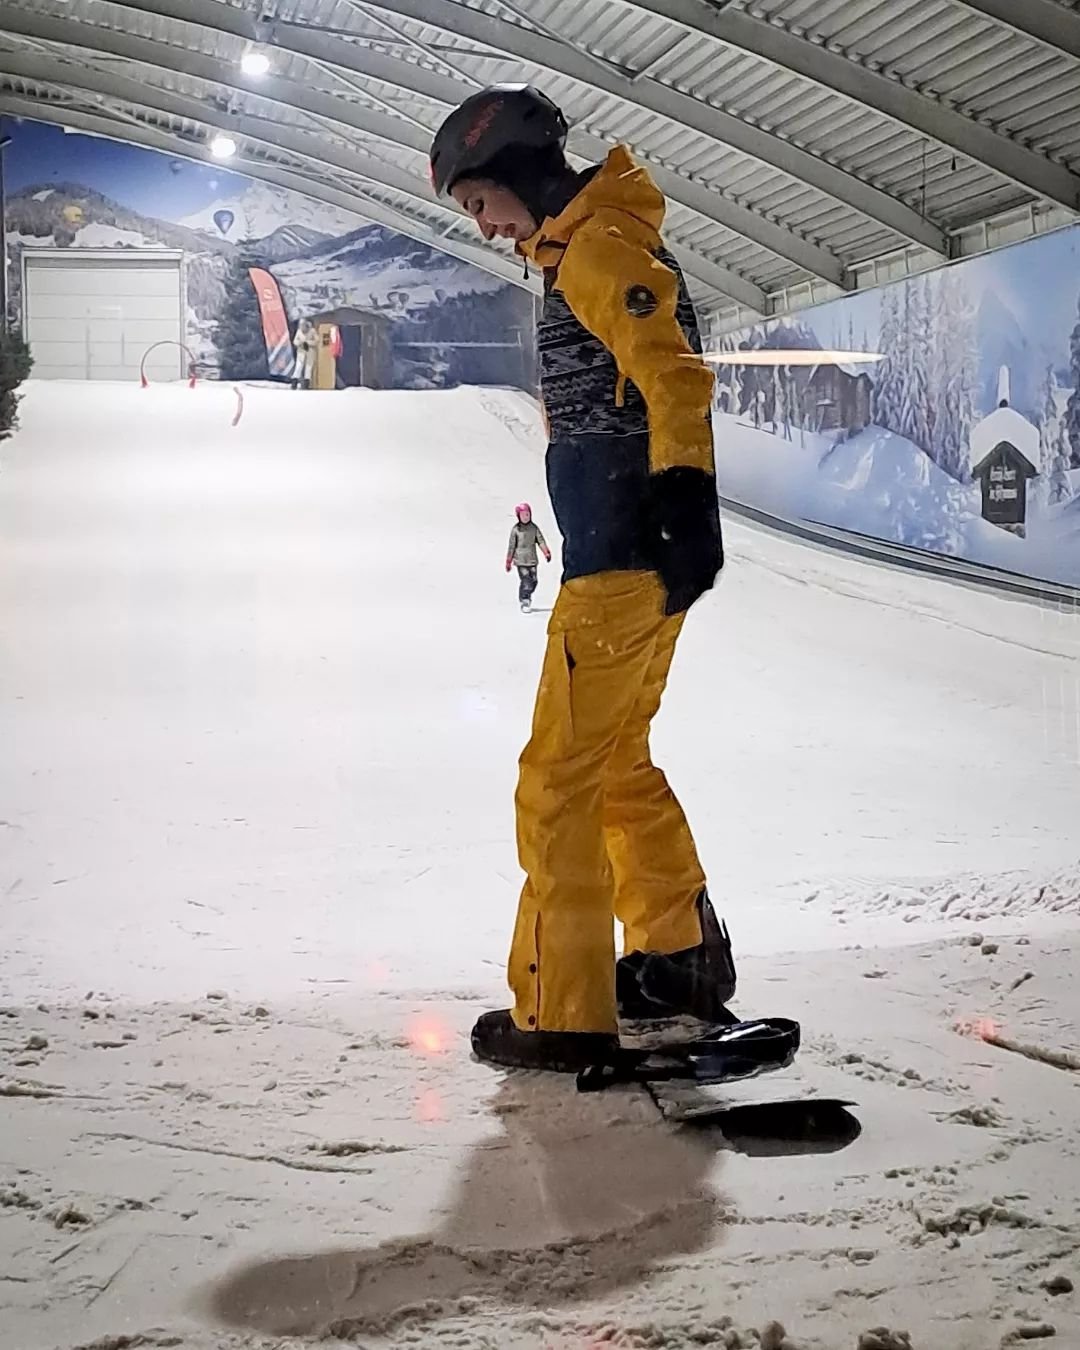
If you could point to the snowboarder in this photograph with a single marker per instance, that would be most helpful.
(305, 345)
(526, 542)
(630, 470)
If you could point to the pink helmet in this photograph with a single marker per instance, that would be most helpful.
(523, 509)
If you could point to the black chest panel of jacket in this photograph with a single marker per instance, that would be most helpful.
(598, 449)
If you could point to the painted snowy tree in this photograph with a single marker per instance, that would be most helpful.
(727, 392)
(1060, 485)
(915, 411)
(937, 371)
(238, 335)
(888, 388)
(1048, 423)
(791, 400)
(1072, 411)
(752, 385)
(953, 375)
(965, 319)
(779, 413)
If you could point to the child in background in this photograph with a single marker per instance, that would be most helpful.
(526, 540)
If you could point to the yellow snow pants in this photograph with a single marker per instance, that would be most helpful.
(600, 833)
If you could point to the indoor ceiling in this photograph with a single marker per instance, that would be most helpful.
(807, 147)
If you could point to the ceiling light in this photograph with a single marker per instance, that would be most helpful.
(255, 63)
(223, 147)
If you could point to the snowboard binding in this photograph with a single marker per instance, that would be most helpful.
(736, 1051)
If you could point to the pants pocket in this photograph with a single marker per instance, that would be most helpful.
(553, 727)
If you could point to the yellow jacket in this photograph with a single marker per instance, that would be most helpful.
(602, 250)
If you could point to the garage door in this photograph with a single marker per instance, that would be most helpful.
(93, 316)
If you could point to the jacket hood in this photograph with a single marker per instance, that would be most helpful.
(620, 185)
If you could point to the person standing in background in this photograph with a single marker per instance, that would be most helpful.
(305, 345)
(526, 543)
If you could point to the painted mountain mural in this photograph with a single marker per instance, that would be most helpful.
(449, 322)
(896, 448)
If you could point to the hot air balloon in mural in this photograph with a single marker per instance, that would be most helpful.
(224, 220)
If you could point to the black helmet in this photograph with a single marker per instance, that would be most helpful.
(491, 121)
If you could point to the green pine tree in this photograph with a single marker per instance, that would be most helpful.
(238, 335)
(15, 363)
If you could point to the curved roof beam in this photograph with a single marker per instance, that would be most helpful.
(1044, 21)
(918, 112)
(552, 54)
(92, 37)
(395, 131)
(524, 44)
(173, 143)
(741, 220)
(720, 278)
(74, 76)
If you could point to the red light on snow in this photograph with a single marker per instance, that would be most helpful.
(428, 1036)
(429, 1107)
(980, 1028)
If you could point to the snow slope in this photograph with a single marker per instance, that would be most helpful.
(261, 697)
(301, 673)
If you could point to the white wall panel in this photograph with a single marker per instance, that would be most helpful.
(92, 316)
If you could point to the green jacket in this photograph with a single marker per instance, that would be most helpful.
(525, 540)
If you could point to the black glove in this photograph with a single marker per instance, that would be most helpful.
(683, 528)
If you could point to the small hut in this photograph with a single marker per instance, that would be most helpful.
(838, 397)
(1004, 453)
(365, 357)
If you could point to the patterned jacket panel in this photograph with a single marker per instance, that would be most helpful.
(579, 375)
(625, 390)
(598, 453)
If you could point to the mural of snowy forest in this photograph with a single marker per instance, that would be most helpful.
(899, 449)
(73, 191)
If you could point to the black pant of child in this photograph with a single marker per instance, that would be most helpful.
(528, 584)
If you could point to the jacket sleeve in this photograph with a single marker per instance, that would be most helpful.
(627, 298)
(511, 547)
(541, 542)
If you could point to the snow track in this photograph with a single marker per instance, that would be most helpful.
(262, 691)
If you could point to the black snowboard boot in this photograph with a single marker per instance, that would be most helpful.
(497, 1040)
(667, 1001)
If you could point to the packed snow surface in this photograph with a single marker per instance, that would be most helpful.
(262, 691)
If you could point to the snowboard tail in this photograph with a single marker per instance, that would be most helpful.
(762, 1118)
